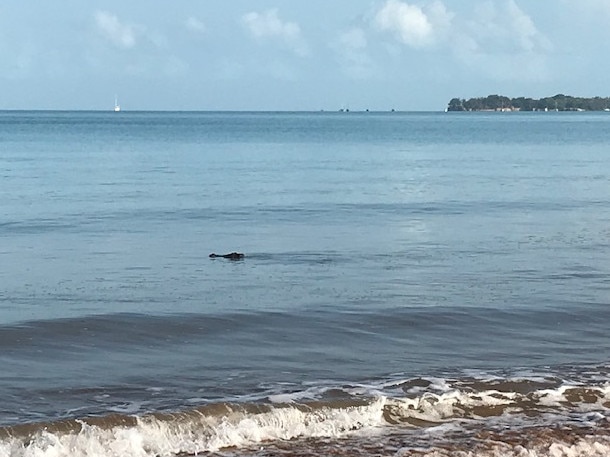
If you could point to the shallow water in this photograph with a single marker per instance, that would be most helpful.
(407, 265)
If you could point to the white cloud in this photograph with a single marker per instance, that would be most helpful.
(351, 48)
(493, 38)
(269, 25)
(441, 18)
(504, 27)
(408, 22)
(494, 26)
(413, 25)
(523, 26)
(121, 35)
(498, 38)
(194, 25)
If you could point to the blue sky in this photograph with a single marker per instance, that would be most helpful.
(297, 55)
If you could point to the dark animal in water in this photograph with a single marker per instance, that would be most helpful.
(231, 256)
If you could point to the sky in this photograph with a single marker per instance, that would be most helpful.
(411, 55)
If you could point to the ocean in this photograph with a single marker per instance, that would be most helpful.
(414, 284)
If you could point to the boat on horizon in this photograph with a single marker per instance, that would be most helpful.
(117, 107)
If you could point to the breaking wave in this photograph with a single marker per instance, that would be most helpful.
(432, 417)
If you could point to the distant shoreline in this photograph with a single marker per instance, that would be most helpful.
(557, 102)
(264, 112)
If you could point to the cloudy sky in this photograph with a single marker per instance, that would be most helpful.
(297, 55)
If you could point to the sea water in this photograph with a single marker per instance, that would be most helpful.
(413, 284)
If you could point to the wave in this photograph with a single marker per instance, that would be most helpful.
(419, 416)
(125, 326)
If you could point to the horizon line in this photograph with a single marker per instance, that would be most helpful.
(338, 111)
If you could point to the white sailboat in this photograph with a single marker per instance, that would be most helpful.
(117, 107)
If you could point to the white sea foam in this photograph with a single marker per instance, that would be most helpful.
(195, 434)
(558, 397)
(242, 425)
(444, 403)
(434, 408)
(587, 447)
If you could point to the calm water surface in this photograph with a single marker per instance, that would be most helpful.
(410, 280)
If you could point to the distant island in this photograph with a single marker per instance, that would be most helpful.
(558, 102)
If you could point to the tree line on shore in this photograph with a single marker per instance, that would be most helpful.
(558, 102)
